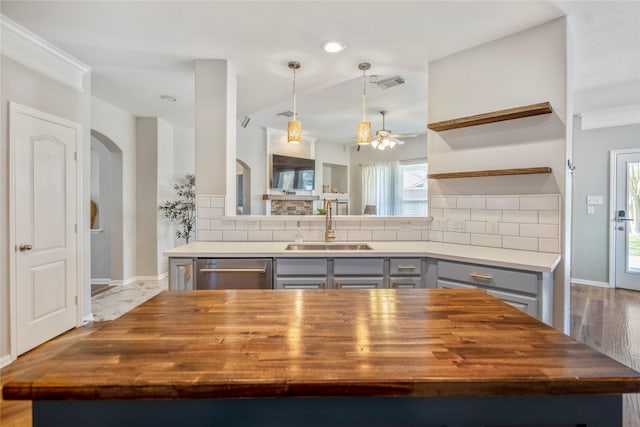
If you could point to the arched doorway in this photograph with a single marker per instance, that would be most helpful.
(243, 188)
(107, 223)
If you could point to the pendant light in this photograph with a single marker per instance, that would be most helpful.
(294, 128)
(364, 127)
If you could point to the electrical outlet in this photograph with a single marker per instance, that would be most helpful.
(438, 224)
(590, 210)
(458, 225)
(594, 200)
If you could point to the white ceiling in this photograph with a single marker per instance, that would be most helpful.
(140, 50)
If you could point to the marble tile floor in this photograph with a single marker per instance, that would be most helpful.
(115, 302)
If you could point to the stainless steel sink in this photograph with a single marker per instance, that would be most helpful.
(328, 247)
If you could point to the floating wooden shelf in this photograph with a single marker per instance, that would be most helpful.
(293, 197)
(495, 116)
(495, 172)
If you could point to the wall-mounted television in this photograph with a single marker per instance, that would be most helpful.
(292, 173)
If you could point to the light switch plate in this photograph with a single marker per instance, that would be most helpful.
(438, 224)
(590, 210)
(594, 200)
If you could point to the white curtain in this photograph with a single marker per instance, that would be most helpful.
(380, 187)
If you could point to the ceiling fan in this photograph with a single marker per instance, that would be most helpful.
(384, 138)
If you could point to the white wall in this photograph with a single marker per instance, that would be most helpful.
(524, 68)
(251, 148)
(101, 181)
(120, 128)
(164, 191)
(590, 261)
(184, 152)
(33, 89)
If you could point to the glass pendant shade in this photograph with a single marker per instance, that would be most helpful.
(294, 128)
(294, 132)
(364, 133)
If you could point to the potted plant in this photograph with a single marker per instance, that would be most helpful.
(183, 210)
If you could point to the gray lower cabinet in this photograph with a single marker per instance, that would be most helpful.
(301, 273)
(359, 273)
(181, 274)
(526, 290)
(405, 273)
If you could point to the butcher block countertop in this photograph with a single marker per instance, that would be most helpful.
(265, 343)
(498, 257)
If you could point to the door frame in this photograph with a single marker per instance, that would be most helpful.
(15, 108)
(612, 210)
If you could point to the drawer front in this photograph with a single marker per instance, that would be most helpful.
(520, 281)
(444, 284)
(405, 282)
(522, 302)
(359, 282)
(405, 266)
(301, 267)
(358, 267)
(301, 283)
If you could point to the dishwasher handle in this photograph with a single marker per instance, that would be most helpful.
(234, 270)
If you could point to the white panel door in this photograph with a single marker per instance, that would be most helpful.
(626, 217)
(45, 200)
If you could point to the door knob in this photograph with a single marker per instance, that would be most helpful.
(621, 228)
(25, 247)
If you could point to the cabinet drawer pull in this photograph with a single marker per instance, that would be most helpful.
(480, 276)
(234, 270)
(406, 267)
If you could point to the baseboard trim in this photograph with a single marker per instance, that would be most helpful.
(88, 319)
(5, 360)
(591, 283)
(134, 279)
(101, 281)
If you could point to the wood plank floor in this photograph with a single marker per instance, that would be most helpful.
(605, 319)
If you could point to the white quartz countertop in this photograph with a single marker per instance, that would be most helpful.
(509, 258)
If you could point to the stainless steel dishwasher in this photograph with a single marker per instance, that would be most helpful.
(234, 273)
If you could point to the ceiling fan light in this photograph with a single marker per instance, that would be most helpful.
(392, 143)
(375, 143)
(364, 133)
(294, 132)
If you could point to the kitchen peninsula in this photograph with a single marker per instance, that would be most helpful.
(402, 357)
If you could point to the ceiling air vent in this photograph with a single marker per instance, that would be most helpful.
(285, 114)
(390, 82)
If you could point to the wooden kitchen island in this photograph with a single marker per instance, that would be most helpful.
(386, 357)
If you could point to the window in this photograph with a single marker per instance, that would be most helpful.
(413, 199)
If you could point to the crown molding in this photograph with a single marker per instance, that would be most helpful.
(31, 50)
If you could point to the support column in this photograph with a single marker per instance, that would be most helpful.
(215, 129)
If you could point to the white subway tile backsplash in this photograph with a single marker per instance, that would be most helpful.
(549, 245)
(203, 201)
(457, 225)
(521, 243)
(269, 224)
(207, 213)
(234, 236)
(283, 235)
(411, 235)
(549, 217)
(420, 224)
(443, 202)
(492, 240)
(436, 213)
(459, 238)
(548, 231)
(463, 214)
(526, 217)
(209, 235)
(316, 236)
(426, 235)
(359, 235)
(293, 225)
(435, 236)
(319, 225)
(506, 202)
(247, 225)
(341, 235)
(509, 229)
(471, 202)
(202, 224)
(228, 224)
(260, 235)
(372, 224)
(540, 203)
(217, 202)
(397, 224)
(215, 224)
(348, 224)
(385, 235)
(476, 227)
(486, 215)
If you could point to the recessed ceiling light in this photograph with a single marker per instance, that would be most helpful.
(168, 98)
(333, 46)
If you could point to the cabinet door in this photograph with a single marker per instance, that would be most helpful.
(405, 282)
(358, 266)
(301, 283)
(359, 282)
(297, 267)
(181, 274)
(445, 284)
(405, 266)
(525, 303)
